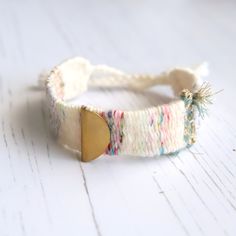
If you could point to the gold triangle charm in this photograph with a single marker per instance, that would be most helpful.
(95, 135)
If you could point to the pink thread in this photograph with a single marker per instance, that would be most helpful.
(164, 125)
(114, 119)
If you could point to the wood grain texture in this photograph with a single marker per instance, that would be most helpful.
(45, 190)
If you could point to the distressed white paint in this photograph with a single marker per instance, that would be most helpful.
(45, 190)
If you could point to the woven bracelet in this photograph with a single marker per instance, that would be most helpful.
(157, 130)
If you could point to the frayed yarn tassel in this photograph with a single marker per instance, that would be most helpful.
(200, 99)
(196, 103)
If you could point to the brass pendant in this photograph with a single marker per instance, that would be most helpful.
(95, 135)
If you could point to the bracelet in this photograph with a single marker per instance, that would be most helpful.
(158, 130)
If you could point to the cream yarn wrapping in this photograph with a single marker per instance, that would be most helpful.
(143, 134)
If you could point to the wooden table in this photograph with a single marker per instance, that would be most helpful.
(47, 191)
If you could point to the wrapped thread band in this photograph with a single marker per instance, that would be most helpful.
(153, 131)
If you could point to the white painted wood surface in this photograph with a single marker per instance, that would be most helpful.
(45, 190)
